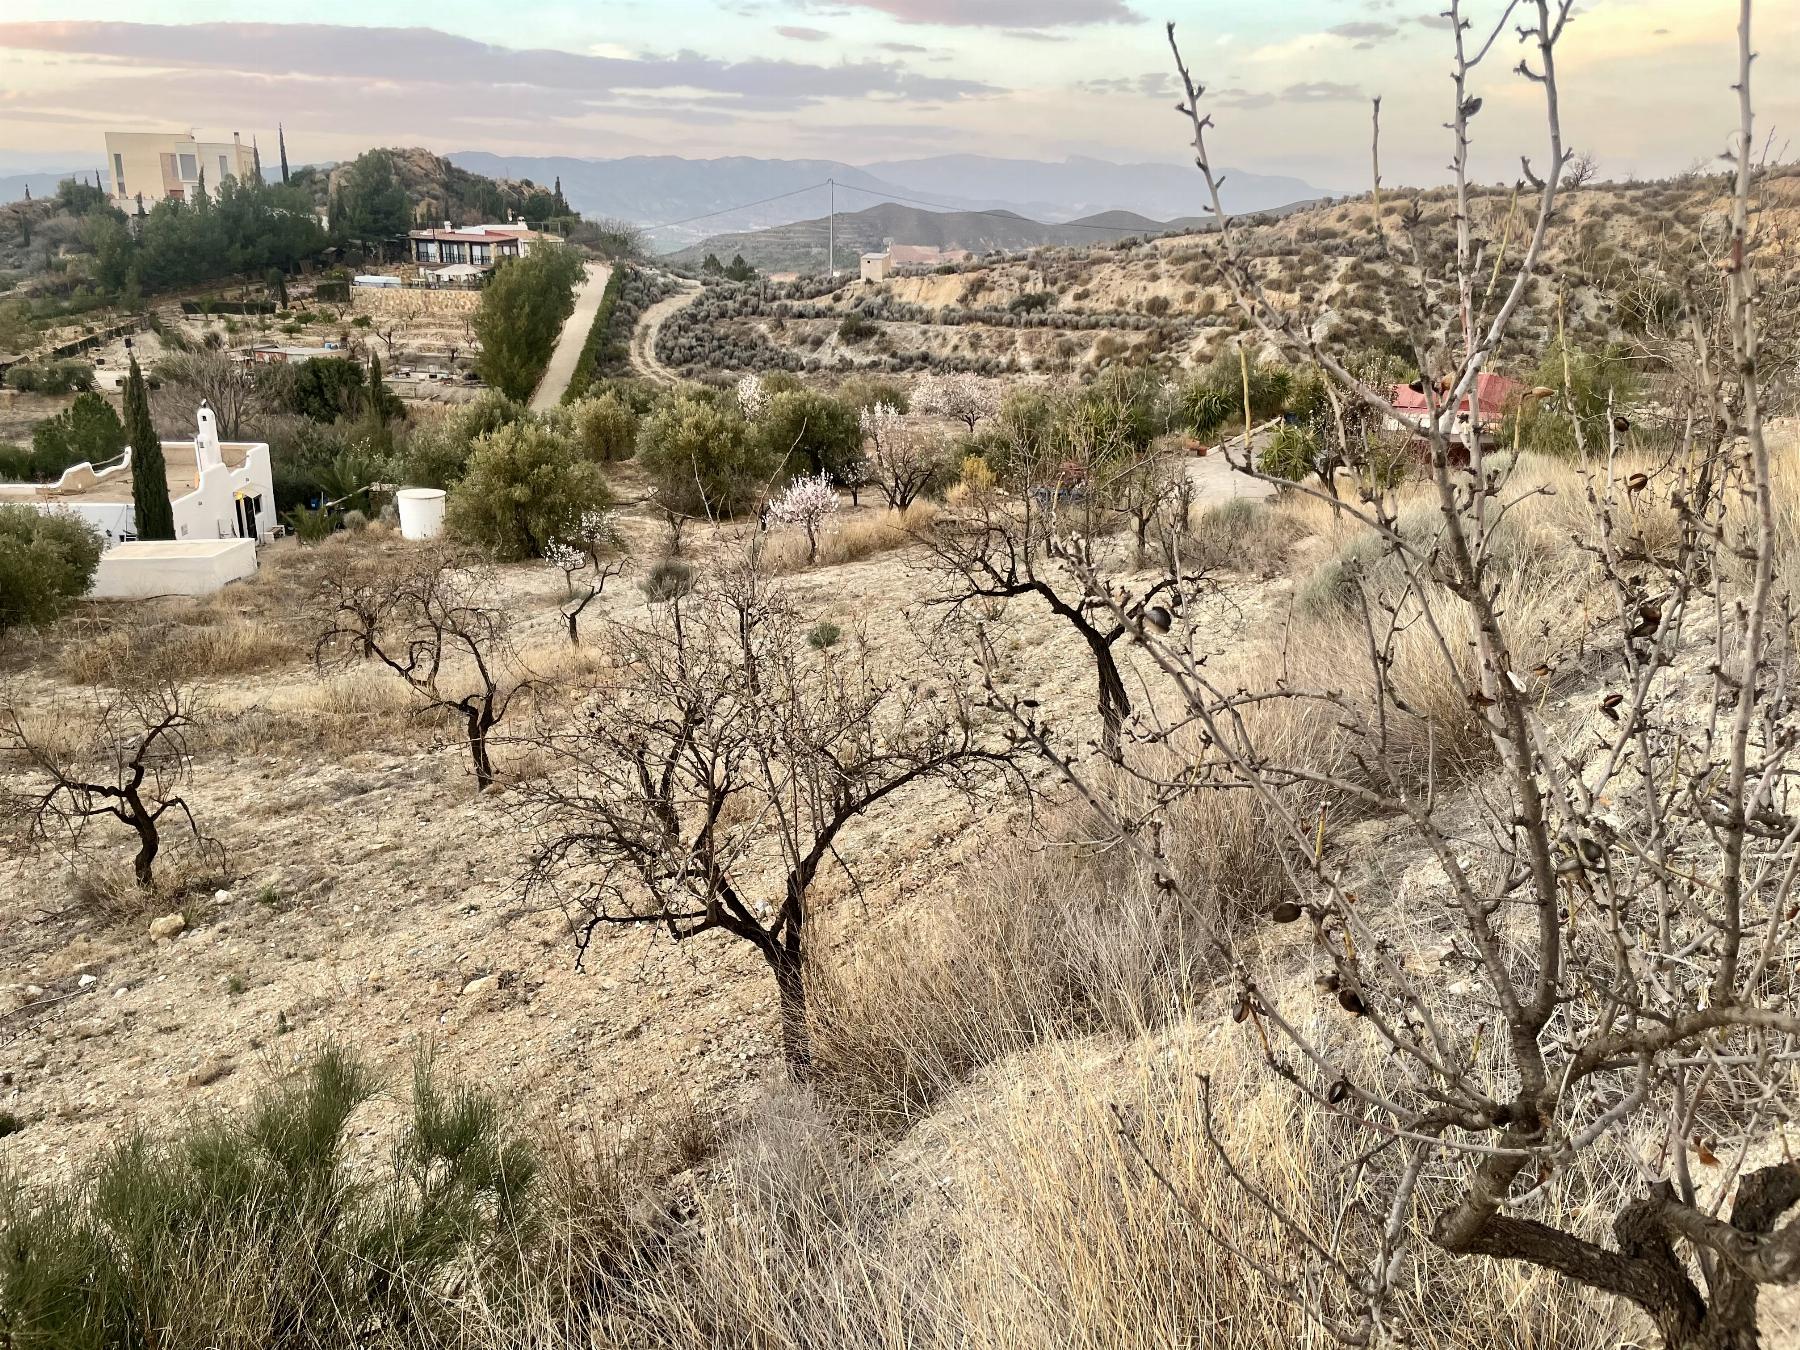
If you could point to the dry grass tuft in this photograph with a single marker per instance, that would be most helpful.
(174, 640)
(343, 713)
(1020, 1218)
(1241, 535)
(1068, 937)
(859, 537)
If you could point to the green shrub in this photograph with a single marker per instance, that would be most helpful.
(855, 328)
(808, 432)
(252, 1230)
(51, 377)
(1291, 453)
(524, 489)
(88, 430)
(702, 458)
(47, 563)
(604, 429)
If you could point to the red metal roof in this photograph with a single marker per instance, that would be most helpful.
(1496, 395)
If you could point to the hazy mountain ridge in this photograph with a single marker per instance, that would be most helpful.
(650, 190)
(800, 246)
(42, 183)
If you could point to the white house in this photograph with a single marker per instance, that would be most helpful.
(875, 266)
(218, 491)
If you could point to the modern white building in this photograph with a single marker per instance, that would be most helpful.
(167, 164)
(218, 491)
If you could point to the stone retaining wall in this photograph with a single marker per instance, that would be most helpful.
(406, 302)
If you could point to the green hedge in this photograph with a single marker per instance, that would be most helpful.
(587, 365)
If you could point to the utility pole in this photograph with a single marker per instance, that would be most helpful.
(831, 235)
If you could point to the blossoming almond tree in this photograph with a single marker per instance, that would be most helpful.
(903, 455)
(806, 503)
(956, 395)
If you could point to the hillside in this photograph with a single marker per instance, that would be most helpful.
(436, 189)
(1079, 307)
(801, 246)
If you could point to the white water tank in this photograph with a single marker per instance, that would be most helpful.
(421, 512)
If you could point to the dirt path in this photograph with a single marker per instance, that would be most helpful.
(574, 337)
(1216, 482)
(643, 337)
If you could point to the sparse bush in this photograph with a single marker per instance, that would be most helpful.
(667, 580)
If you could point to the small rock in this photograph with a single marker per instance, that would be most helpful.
(481, 987)
(88, 981)
(210, 1071)
(221, 897)
(161, 930)
(33, 1059)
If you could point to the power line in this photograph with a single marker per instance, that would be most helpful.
(741, 206)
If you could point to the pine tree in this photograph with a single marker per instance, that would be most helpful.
(149, 475)
(281, 140)
(256, 160)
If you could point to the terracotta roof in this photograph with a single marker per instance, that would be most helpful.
(1496, 395)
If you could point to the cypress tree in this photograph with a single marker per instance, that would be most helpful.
(149, 475)
(281, 140)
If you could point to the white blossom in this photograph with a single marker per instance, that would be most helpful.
(752, 397)
(806, 503)
(958, 395)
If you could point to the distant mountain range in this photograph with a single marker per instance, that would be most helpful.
(801, 246)
(42, 183)
(668, 192)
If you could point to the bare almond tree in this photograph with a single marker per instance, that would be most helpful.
(1032, 545)
(1617, 898)
(120, 752)
(431, 620)
(722, 766)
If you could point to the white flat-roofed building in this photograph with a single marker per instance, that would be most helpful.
(168, 165)
(217, 490)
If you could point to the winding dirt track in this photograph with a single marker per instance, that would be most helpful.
(643, 337)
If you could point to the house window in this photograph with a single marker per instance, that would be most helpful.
(224, 168)
(190, 168)
(119, 172)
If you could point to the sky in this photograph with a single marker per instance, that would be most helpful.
(1646, 82)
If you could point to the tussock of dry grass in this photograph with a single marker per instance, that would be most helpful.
(1241, 535)
(1062, 938)
(358, 709)
(859, 537)
(1020, 1219)
(175, 640)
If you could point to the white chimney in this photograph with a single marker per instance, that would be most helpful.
(447, 227)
